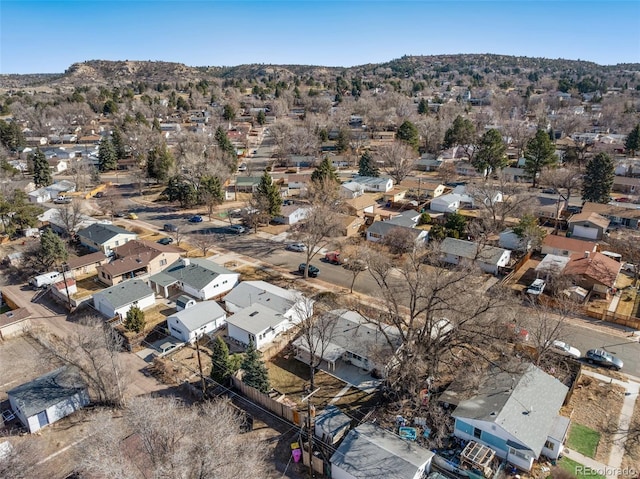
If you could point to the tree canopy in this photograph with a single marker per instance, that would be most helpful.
(598, 179)
(539, 153)
(52, 251)
(269, 195)
(134, 320)
(491, 154)
(255, 371)
(408, 133)
(632, 142)
(325, 171)
(461, 133)
(107, 158)
(41, 171)
(159, 163)
(367, 166)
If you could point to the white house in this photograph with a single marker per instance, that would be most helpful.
(510, 240)
(193, 322)
(48, 398)
(516, 413)
(449, 203)
(488, 258)
(119, 299)
(289, 303)
(200, 278)
(104, 237)
(258, 324)
(351, 189)
(373, 184)
(369, 452)
(291, 214)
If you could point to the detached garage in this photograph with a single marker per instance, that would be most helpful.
(118, 300)
(48, 398)
(588, 225)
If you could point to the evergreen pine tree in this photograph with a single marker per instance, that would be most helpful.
(492, 152)
(107, 159)
(261, 118)
(269, 192)
(52, 249)
(408, 133)
(118, 143)
(41, 171)
(538, 154)
(367, 167)
(423, 107)
(134, 320)
(220, 363)
(632, 142)
(255, 371)
(324, 172)
(342, 142)
(598, 179)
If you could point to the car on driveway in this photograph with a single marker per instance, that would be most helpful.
(537, 287)
(313, 270)
(165, 241)
(564, 349)
(603, 358)
(237, 229)
(170, 227)
(195, 219)
(299, 247)
(623, 200)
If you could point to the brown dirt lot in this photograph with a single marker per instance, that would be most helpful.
(596, 405)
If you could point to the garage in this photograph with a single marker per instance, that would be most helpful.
(585, 232)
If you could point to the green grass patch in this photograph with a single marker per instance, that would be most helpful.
(578, 470)
(583, 439)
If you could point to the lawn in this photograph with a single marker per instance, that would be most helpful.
(572, 467)
(583, 439)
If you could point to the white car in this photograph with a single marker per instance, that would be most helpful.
(297, 247)
(565, 349)
(537, 287)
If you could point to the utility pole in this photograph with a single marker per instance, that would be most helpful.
(65, 267)
(309, 430)
(204, 384)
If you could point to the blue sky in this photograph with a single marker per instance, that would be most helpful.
(48, 36)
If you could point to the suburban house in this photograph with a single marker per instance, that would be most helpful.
(593, 271)
(563, 246)
(422, 188)
(258, 324)
(428, 164)
(351, 189)
(374, 184)
(200, 278)
(87, 264)
(361, 205)
(508, 239)
(193, 322)
(551, 266)
(353, 341)
(394, 195)
(449, 203)
(48, 398)
(588, 225)
(465, 168)
(488, 258)
(405, 221)
(626, 216)
(626, 185)
(515, 413)
(137, 259)
(349, 225)
(547, 208)
(291, 214)
(47, 193)
(119, 299)
(105, 238)
(299, 181)
(57, 165)
(369, 452)
(247, 184)
(515, 175)
(289, 303)
(14, 322)
(331, 424)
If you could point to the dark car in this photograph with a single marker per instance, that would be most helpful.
(313, 271)
(195, 219)
(603, 358)
(170, 227)
(165, 241)
(237, 229)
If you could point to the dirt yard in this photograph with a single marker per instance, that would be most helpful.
(596, 405)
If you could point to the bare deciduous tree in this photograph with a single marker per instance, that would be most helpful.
(20, 462)
(70, 216)
(111, 203)
(398, 159)
(204, 242)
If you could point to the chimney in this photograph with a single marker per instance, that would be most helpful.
(586, 254)
(185, 261)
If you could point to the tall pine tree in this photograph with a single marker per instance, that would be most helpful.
(538, 154)
(632, 142)
(325, 172)
(408, 133)
(220, 363)
(269, 193)
(492, 153)
(41, 171)
(367, 166)
(107, 159)
(255, 371)
(598, 179)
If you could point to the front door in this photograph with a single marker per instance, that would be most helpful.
(43, 420)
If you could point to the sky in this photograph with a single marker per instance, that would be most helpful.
(49, 36)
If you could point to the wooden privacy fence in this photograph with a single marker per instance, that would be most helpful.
(276, 406)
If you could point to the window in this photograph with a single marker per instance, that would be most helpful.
(477, 433)
(163, 262)
(549, 445)
(518, 454)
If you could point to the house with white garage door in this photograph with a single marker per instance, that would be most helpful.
(48, 398)
(194, 321)
(588, 225)
(119, 299)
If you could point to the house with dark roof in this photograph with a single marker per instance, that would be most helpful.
(119, 299)
(488, 258)
(193, 322)
(87, 264)
(48, 398)
(370, 452)
(102, 237)
(627, 215)
(137, 259)
(588, 225)
(405, 221)
(197, 277)
(592, 271)
(515, 411)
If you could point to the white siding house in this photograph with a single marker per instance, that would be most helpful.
(291, 214)
(289, 303)
(193, 322)
(48, 398)
(488, 258)
(104, 237)
(258, 324)
(119, 299)
(374, 184)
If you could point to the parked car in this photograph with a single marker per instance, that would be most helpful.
(629, 267)
(237, 229)
(132, 216)
(63, 200)
(46, 279)
(195, 219)
(574, 209)
(119, 214)
(299, 247)
(242, 167)
(537, 287)
(165, 241)
(550, 191)
(170, 227)
(334, 257)
(623, 200)
(313, 270)
(603, 358)
(99, 194)
(564, 349)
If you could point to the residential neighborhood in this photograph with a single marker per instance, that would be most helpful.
(361, 274)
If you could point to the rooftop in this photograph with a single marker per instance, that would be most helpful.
(471, 250)
(273, 297)
(101, 233)
(199, 314)
(255, 319)
(196, 272)
(596, 266)
(125, 293)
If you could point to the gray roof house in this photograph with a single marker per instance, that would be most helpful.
(258, 324)
(48, 398)
(515, 411)
(118, 300)
(201, 278)
(405, 221)
(103, 237)
(193, 322)
(370, 452)
(488, 258)
(287, 302)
